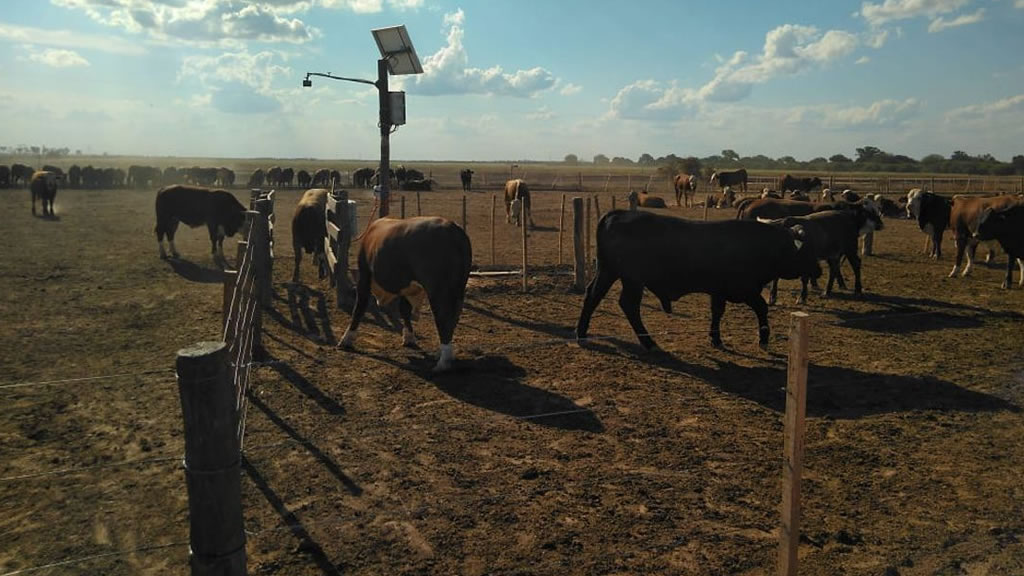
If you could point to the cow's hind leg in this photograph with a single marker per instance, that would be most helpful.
(405, 311)
(629, 301)
(362, 299)
(596, 290)
(855, 261)
(717, 311)
(960, 242)
(447, 307)
(759, 307)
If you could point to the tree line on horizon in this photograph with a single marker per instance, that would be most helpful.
(867, 159)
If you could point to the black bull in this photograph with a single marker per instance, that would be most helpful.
(730, 260)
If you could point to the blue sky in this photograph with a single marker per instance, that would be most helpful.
(529, 79)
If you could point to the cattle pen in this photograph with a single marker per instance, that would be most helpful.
(532, 454)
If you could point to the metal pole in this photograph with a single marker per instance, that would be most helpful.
(385, 136)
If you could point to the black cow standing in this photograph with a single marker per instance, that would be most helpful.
(467, 179)
(222, 213)
(1007, 227)
(731, 260)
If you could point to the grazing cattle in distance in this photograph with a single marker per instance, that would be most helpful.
(219, 210)
(685, 186)
(309, 227)
(517, 202)
(790, 183)
(964, 215)
(1006, 226)
(21, 174)
(730, 260)
(143, 176)
(74, 176)
(832, 235)
(43, 185)
(361, 178)
(405, 260)
(466, 175)
(730, 179)
(304, 179)
(274, 176)
(425, 185)
(375, 179)
(170, 176)
(201, 176)
(256, 178)
(225, 178)
(322, 178)
(644, 200)
(287, 176)
(403, 175)
(335, 177)
(5, 176)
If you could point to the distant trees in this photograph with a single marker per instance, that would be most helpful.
(645, 159)
(600, 159)
(620, 161)
(839, 159)
(571, 159)
(730, 155)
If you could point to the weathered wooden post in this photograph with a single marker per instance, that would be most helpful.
(793, 445)
(579, 181)
(586, 245)
(707, 202)
(525, 255)
(579, 253)
(402, 207)
(492, 229)
(613, 201)
(336, 243)
(561, 227)
(230, 279)
(632, 202)
(597, 209)
(888, 184)
(212, 461)
(831, 181)
(464, 213)
(419, 211)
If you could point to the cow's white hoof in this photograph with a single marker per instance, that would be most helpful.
(953, 273)
(444, 363)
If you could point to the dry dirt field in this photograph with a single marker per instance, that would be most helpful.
(534, 456)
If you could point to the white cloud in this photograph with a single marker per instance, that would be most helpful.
(542, 113)
(894, 10)
(987, 110)
(67, 39)
(56, 58)
(447, 71)
(201, 21)
(569, 89)
(877, 114)
(1019, 4)
(863, 60)
(940, 24)
(237, 82)
(876, 38)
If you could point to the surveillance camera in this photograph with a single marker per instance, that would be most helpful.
(307, 83)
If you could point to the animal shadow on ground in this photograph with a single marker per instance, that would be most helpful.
(557, 330)
(839, 392)
(902, 315)
(325, 460)
(494, 383)
(306, 542)
(194, 273)
(47, 217)
(302, 384)
(302, 318)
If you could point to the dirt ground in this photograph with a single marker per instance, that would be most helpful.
(533, 456)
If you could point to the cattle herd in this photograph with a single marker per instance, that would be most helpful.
(774, 235)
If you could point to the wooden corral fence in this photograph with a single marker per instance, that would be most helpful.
(213, 379)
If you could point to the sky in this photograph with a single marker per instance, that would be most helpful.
(516, 80)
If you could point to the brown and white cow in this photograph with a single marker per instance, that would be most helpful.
(644, 200)
(517, 202)
(932, 214)
(219, 210)
(964, 216)
(685, 186)
(43, 185)
(407, 260)
(309, 227)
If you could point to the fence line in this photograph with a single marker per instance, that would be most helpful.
(95, 557)
(12, 385)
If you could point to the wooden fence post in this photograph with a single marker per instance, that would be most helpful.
(597, 209)
(419, 211)
(613, 201)
(629, 182)
(561, 228)
(579, 181)
(793, 445)
(464, 213)
(339, 230)
(525, 254)
(230, 278)
(492, 229)
(212, 461)
(579, 256)
(402, 207)
(586, 232)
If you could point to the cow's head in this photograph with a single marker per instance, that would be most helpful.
(234, 217)
(914, 203)
(869, 216)
(826, 195)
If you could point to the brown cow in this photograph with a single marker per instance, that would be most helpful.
(44, 186)
(685, 186)
(964, 216)
(517, 202)
(644, 200)
(405, 260)
(309, 227)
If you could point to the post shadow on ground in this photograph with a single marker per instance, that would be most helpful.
(302, 319)
(307, 543)
(902, 314)
(194, 273)
(328, 404)
(551, 329)
(331, 466)
(839, 392)
(495, 384)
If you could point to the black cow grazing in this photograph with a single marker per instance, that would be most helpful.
(466, 176)
(5, 176)
(21, 174)
(304, 179)
(832, 235)
(730, 260)
(287, 176)
(222, 213)
(420, 184)
(404, 260)
(256, 178)
(517, 202)
(225, 177)
(336, 177)
(932, 213)
(793, 184)
(1007, 227)
(322, 178)
(43, 185)
(403, 175)
(74, 176)
(730, 179)
(361, 177)
(309, 227)
(274, 176)
(170, 176)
